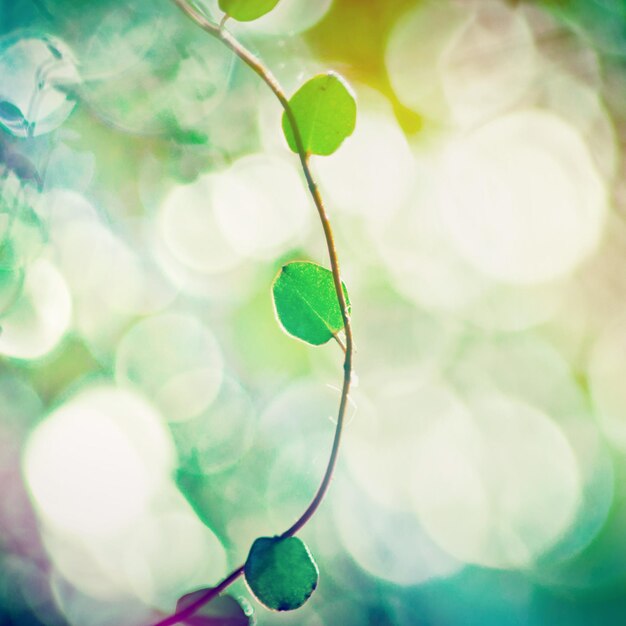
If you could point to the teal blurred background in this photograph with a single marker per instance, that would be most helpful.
(154, 419)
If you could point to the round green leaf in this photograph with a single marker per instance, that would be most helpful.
(247, 10)
(306, 302)
(281, 573)
(224, 610)
(325, 112)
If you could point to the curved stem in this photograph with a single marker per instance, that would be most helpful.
(189, 610)
(269, 79)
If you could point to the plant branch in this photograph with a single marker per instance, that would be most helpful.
(255, 64)
(211, 593)
(338, 339)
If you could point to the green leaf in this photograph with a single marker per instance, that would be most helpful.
(306, 302)
(325, 112)
(223, 610)
(281, 573)
(247, 10)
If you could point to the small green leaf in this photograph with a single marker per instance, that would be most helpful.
(306, 302)
(325, 112)
(247, 10)
(223, 610)
(281, 573)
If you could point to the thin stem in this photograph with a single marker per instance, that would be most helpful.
(269, 79)
(189, 610)
(342, 345)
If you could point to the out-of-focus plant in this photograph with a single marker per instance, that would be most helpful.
(311, 304)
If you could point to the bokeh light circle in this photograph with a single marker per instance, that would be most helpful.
(261, 206)
(94, 463)
(221, 434)
(392, 546)
(497, 487)
(189, 229)
(175, 360)
(39, 319)
(521, 198)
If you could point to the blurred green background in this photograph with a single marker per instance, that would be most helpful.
(154, 419)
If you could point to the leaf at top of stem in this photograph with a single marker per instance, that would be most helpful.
(247, 10)
(224, 610)
(306, 302)
(324, 109)
(281, 573)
